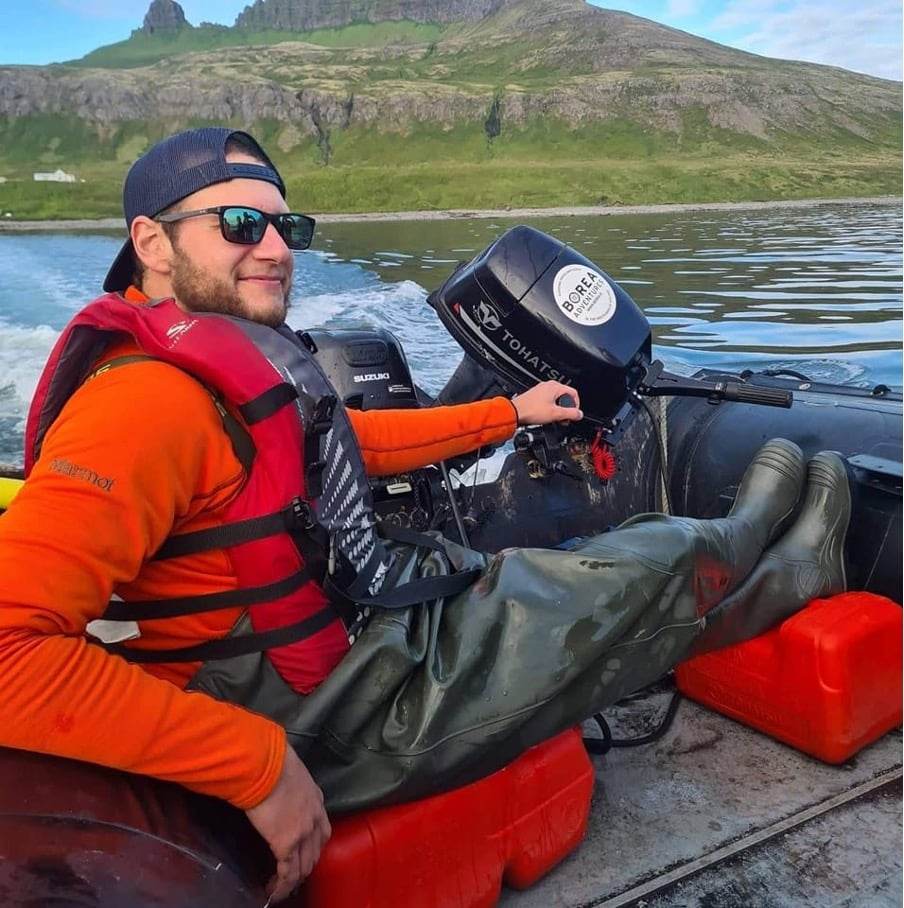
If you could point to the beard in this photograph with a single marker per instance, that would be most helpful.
(200, 291)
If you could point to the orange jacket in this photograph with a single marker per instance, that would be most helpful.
(67, 545)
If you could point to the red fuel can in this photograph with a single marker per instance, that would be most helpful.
(827, 681)
(456, 849)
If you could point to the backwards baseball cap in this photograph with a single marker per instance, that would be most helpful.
(175, 168)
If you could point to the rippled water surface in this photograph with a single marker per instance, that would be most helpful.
(817, 289)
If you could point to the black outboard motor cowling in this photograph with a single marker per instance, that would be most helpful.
(367, 367)
(531, 308)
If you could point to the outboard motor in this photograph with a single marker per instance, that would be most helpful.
(369, 370)
(367, 366)
(530, 308)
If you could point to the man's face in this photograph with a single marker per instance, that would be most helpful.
(210, 274)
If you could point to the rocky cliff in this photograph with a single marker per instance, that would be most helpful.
(308, 15)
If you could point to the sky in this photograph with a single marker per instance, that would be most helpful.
(860, 35)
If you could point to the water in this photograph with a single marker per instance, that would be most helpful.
(815, 289)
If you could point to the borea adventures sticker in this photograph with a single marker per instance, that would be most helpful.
(584, 295)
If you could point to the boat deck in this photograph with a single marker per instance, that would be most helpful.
(716, 815)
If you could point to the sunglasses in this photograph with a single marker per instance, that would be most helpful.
(247, 226)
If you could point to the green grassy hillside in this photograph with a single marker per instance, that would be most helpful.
(518, 173)
(143, 49)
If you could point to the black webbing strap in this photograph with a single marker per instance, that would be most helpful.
(313, 541)
(242, 444)
(237, 533)
(413, 592)
(320, 422)
(228, 647)
(148, 609)
(412, 537)
(268, 403)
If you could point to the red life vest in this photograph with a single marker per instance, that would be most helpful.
(306, 480)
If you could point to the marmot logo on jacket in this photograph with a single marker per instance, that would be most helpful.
(84, 474)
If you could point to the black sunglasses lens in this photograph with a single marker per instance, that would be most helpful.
(296, 229)
(248, 225)
(242, 225)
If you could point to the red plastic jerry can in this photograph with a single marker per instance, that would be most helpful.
(827, 681)
(456, 849)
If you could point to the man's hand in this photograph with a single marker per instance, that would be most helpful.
(537, 406)
(294, 824)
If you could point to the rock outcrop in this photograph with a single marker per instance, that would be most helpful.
(164, 16)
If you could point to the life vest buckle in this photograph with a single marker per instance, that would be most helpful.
(322, 417)
(304, 517)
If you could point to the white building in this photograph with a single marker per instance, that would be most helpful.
(57, 176)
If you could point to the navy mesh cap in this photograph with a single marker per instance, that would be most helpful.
(175, 168)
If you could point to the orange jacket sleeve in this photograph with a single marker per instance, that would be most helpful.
(393, 441)
(116, 472)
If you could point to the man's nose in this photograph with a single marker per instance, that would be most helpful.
(272, 243)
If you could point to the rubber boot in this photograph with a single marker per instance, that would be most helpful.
(806, 563)
(770, 490)
(715, 556)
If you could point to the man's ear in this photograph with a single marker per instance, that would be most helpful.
(152, 245)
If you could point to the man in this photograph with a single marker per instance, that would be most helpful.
(158, 442)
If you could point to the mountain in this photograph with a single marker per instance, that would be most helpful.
(405, 83)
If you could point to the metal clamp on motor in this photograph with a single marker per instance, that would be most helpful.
(539, 443)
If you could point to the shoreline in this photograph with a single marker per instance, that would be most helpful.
(14, 226)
